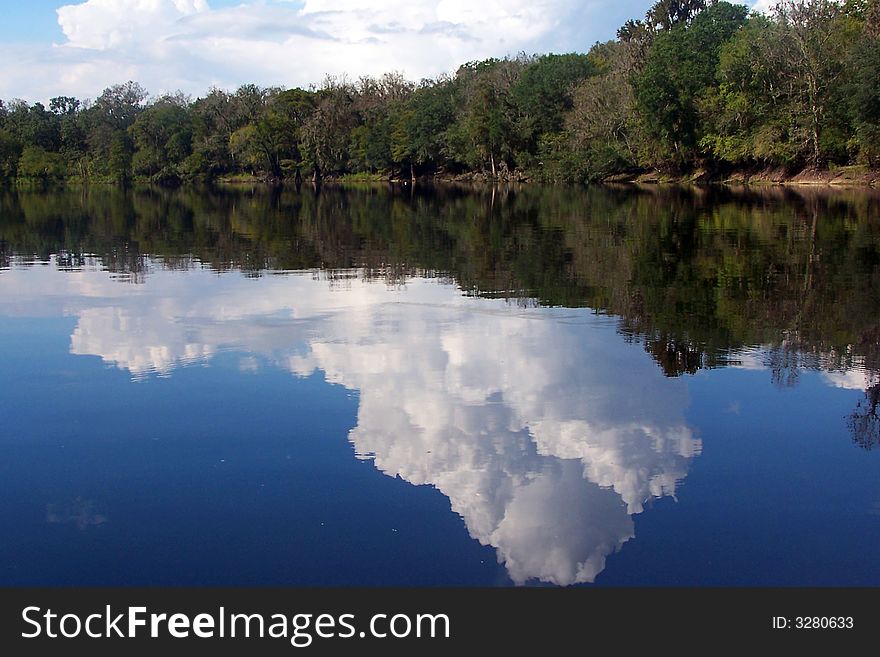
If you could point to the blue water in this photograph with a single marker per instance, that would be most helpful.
(205, 428)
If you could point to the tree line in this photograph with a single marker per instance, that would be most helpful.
(696, 85)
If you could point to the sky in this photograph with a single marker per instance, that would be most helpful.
(50, 48)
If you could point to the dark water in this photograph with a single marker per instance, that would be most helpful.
(373, 387)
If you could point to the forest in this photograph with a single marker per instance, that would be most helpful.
(696, 87)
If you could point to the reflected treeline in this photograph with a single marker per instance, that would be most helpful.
(864, 421)
(694, 274)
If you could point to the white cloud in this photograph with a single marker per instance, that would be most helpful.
(767, 6)
(106, 24)
(749, 359)
(764, 6)
(855, 379)
(187, 44)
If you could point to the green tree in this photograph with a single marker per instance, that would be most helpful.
(603, 131)
(483, 132)
(105, 124)
(74, 145)
(782, 95)
(748, 117)
(864, 88)
(809, 54)
(119, 158)
(38, 164)
(64, 105)
(326, 132)
(214, 117)
(420, 127)
(34, 125)
(162, 135)
(542, 95)
(681, 67)
(273, 141)
(379, 104)
(667, 14)
(120, 104)
(10, 152)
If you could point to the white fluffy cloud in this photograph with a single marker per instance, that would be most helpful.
(764, 6)
(190, 45)
(545, 430)
(107, 24)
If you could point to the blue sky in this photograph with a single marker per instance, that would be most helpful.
(29, 21)
(80, 47)
(37, 21)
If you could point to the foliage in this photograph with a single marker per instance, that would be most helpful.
(36, 163)
(695, 84)
(783, 85)
(10, 151)
(864, 93)
(680, 68)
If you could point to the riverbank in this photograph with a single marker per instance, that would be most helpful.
(847, 176)
(852, 176)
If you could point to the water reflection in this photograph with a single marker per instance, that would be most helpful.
(864, 422)
(530, 357)
(544, 429)
(692, 274)
(848, 371)
(80, 513)
(545, 452)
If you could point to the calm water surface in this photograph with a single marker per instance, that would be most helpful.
(374, 387)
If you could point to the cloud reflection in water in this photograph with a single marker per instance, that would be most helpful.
(546, 430)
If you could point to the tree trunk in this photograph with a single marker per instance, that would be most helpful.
(492, 162)
(412, 173)
(815, 135)
(815, 116)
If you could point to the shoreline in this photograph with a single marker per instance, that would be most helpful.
(840, 177)
(856, 177)
(849, 176)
